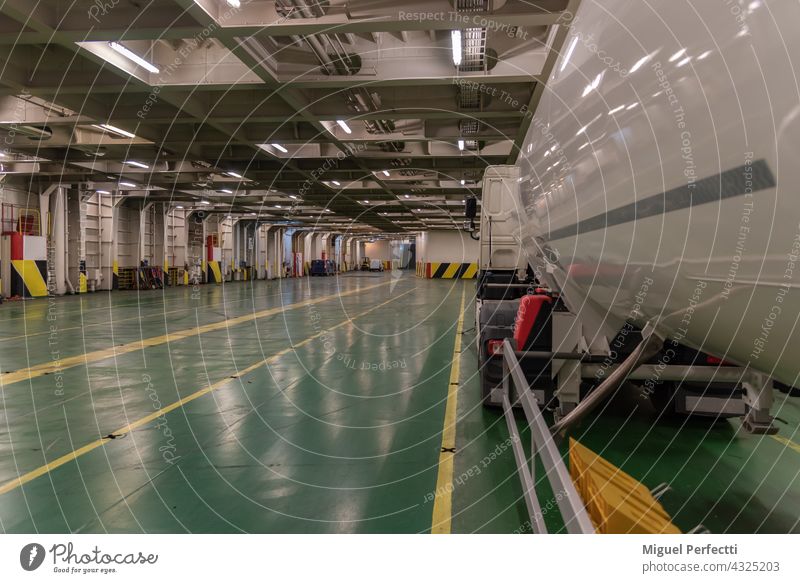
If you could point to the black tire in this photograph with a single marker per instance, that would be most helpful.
(662, 397)
(487, 383)
(786, 389)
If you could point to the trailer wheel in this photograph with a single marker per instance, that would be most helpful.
(786, 389)
(485, 390)
(486, 383)
(662, 397)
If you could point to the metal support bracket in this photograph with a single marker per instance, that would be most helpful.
(758, 400)
(569, 503)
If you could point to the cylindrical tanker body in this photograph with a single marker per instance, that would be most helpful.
(661, 174)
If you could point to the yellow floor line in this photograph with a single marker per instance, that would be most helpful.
(64, 459)
(787, 442)
(90, 357)
(443, 500)
(212, 305)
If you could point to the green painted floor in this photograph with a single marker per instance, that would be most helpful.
(340, 434)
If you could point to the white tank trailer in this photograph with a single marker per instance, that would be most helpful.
(657, 190)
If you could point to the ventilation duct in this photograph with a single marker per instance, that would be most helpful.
(327, 48)
(469, 127)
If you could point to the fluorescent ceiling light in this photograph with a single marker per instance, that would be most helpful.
(616, 109)
(234, 174)
(335, 182)
(179, 207)
(226, 190)
(463, 182)
(133, 57)
(281, 148)
(593, 85)
(292, 197)
(455, 36)
(460, 144)
(344, 126)
(386, 173)
(569, 52)
(677, 55)
(703, 56)
(234, 3)
(682, 62)
(277, 206)
(631, 106)
(137, 164)
(128, 184)
(114, 130)
(204, 202)
(407, 195)
(638, 64)
(102, 192)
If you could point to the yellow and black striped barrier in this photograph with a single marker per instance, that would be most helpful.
(83, 279)
(213, 272)
(451, 270)
(114, 274)
(28, 278)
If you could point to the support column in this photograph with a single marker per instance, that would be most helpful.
(142, 255)
(108, 226)
(114, 247)
(159, 238)
(76, 245)
(236, 255)
(203, 259)
(58, 243)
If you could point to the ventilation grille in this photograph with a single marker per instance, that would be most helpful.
(473, 57)
(473, 5)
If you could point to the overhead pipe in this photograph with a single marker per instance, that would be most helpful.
(317, 42)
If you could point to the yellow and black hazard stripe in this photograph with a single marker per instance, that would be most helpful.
(451, 270)
(83, 279)
(114, 275)
(28, 278)
(213, 272)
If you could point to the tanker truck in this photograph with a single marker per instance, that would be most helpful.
(649, 231)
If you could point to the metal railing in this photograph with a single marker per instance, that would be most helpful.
(570, 505)
(19, 219)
